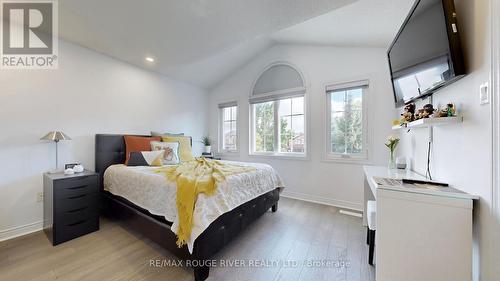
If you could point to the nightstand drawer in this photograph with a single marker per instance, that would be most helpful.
(75, 187)
(69, 231)
(72, 203)
(76, 215)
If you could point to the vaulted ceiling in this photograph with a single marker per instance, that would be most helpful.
(180, 34)
(369, 23)
(203, 41)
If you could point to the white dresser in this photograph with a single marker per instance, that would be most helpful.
(422, 233)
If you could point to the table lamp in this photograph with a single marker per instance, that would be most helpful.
(55, 136)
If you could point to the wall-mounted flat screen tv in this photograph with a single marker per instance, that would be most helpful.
(426, 54)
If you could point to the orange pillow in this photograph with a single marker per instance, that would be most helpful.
(136, 144)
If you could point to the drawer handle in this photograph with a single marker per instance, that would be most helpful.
(77, 210)
(77, 187)
(79, 178)
(76, 223)
(79, 196)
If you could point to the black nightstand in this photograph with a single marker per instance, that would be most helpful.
(70, 205)
(210, 156)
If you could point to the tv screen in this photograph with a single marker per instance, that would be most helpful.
(426, 54)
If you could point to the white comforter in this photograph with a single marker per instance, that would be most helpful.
(151, 191)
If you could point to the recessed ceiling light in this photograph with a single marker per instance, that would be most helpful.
(150, 59)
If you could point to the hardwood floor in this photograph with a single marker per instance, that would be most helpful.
(298, 232)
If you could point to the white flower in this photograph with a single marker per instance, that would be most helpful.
(392, 138)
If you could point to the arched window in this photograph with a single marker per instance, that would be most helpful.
(278, 120)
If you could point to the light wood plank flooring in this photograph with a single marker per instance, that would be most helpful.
(299, 231)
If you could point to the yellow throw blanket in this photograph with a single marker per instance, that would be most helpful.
(194, 177)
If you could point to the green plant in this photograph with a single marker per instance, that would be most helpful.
(206, 141)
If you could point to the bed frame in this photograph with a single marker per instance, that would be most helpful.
(110, 150)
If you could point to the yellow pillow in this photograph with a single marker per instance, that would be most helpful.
(185, 151)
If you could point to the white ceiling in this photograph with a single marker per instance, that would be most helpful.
(372, 23)
(208, 72)
(198, 41)
(202, 41)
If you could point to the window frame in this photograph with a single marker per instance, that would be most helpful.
(221, 108)
(274, 95)
(364, 157)
(291, 116)
(277, 154)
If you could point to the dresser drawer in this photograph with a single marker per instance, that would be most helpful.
(69, 188)
(88, 200)
(65, 232)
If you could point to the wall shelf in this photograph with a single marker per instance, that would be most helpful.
(428, 122)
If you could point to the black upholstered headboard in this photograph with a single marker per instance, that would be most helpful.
(109, 150)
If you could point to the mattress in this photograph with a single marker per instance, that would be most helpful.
(153, 192)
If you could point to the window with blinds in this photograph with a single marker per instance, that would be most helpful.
(278, 119)
(228, 136)
(346, 121)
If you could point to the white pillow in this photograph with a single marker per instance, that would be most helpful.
(171, 156)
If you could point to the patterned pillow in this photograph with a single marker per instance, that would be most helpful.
(185, 150)
(146, 158)
(171, 155)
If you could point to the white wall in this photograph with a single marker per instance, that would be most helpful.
(90, 93)
(461, 154)
(314, 179)
(495, 250)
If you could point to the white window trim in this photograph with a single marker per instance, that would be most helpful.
(365, 157)
(282, 155)
(221, 149)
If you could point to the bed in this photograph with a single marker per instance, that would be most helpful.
(155, 218)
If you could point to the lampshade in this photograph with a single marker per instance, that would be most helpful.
(55, 136)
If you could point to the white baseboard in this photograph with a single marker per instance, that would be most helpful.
(20, 230)
(322, 200)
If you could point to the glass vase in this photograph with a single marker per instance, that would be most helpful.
(392, 161)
